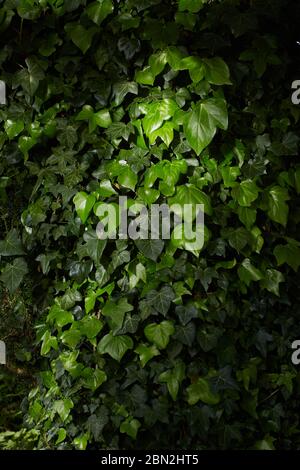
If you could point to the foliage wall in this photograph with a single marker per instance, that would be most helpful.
(150, 344)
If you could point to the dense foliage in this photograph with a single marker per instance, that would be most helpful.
(150, 344)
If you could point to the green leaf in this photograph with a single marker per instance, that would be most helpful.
(190, 194)
(94, 378)
(247, 216)
(278, 209)
(229, 175)
(201, 123)
(159, 334)
(26, 143)
(71, 337)
(157, 62)
(200, 390)
(157, 113)
(62, 408)
(289, 254)
(148, 195)
(80, 36)
(195, 67)
(161, 300)
(127, 178)
(62, 434)
(13, 128)
(30, 77)
(81, 442)
(121, 89)
(272, 280)
(173, 379)
(102, 119)
(106, 189)
(188, 20)
(90, 326)
(99, 10)
(150, 248)
(45, 260)
(12, 245)
(146, 353)
(115, 346)
(165, 133)
(191, 5)
(59, 316)
(174, 57)
(28, 9)
(245, 193)
(247, 272)
(115, 312)
(145, 76)
(217, 72)
(130, 426)
(265, 444)
(48, 342)
(84, 204)
(238, 238)
(13, 274)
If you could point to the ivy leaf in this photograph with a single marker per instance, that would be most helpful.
(93, 379)
(121, 89)
(191, 5)
(13, 274)
(102, 119)
(159, 334)
(12, 245)
(99, 10)
(245, 193)
(247, 272)
(162, 299)
(217, 71)
(59, 316)
(71, 337)
(247, 216)
(127, 178)
(80, 36)
(146, 353)
(130, 426)
(157, 62)
(115, 346)
(190, 194)
(289, 254)
(157, 113)
(115, 311)
(200, 390)
(272, 280)
(48, 342)
(238, 238)
(61, 435)
(13, 128)
(278, 209)
(150, 248)
(90, 326)
(30, 77)
(145, 76)
(201, 123)
(148, 195)
(195, 67)
(105, 189)
(165, 133)
(62, 408)
(84, 204)
(173, 379)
